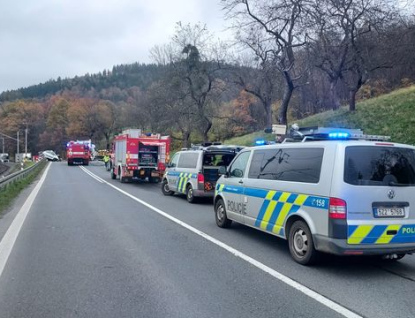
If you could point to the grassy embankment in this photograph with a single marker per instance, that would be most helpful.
(9, 193)
(391, 114)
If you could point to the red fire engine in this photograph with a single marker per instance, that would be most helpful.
(78, 152)
(139, 157)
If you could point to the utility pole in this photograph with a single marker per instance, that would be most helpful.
(17, 153)
(25, 141)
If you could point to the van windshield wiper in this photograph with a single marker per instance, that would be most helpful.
(397, 184)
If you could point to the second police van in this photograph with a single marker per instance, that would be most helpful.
(342, 193)
(194, 172)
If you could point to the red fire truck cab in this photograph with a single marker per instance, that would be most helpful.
(78, 152)
(138, 157)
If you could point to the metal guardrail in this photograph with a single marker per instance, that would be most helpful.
(6, 180)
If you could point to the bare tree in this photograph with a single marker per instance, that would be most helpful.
(195, 61)
(277, 26)
(339, 41)
(259, 77)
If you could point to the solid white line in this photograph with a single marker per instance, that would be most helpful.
(285, 279)
(7, 243)
(91, 174)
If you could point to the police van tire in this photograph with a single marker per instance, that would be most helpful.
(165, 188)
(396, 257)
(189, 194)
(300, 242)
(220, 215)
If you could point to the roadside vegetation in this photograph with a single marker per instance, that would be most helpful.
(10, 192)
(389, 114)
(288, 60)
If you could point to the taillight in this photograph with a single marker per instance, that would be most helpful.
(337, 208)
(200, 178)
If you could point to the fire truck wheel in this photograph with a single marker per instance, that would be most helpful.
(122, 179)
(165, 188)
(113, 175)
(189, 194)
(154, 180)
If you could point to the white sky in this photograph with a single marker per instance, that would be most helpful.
(44, 39)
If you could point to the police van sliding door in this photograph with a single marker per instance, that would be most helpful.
(235, 187)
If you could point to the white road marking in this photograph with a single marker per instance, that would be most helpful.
(91, 174)
(285, 279)
(7, 243)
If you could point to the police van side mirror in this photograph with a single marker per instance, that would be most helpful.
(222, 171)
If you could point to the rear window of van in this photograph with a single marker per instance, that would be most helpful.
(379, 166)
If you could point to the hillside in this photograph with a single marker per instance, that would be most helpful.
(121, 77)
(391, 114)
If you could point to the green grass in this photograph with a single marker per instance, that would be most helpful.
(391, 114)
(249, 139)
(11, 191)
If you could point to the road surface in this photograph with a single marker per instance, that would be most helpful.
(93, 247)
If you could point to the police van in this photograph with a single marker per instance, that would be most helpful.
(337, 191)
(194, 172)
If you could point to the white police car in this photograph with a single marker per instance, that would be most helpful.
(343, 193)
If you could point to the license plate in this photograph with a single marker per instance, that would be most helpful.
(389, 212)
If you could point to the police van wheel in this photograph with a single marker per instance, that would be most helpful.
(220, 215)
(165, 188)
(301, 244)
(189, 194)
(392, 257)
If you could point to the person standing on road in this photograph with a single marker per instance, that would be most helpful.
(106, 161)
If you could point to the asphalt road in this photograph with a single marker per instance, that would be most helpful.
(88, 249)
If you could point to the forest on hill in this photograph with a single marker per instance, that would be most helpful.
(289, 60)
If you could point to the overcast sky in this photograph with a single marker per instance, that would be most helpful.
(44, 39)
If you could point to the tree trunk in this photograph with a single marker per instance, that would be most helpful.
(268, 113)
(334, 98)
(353, 91)
(185, 139)
(288, 92)
(206, 130)
(107, 139)
(352, 99)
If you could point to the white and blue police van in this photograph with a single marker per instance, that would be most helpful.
(194, 171)
(337, 191)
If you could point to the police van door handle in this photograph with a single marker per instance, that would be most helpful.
(240, 181)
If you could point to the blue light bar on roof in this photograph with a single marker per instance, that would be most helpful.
(339, 135)
(260, 142)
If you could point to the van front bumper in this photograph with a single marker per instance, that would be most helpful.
(340, 247)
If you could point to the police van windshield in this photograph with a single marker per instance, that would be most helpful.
(379, 166)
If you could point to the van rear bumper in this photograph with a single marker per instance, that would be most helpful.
(203, 193)
(340, 247)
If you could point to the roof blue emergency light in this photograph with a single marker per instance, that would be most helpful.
(260, 142)
(339, 135)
